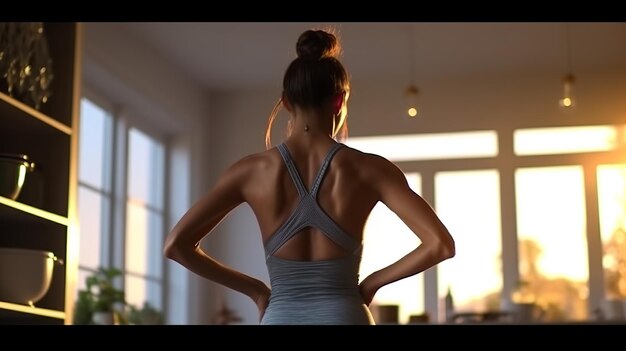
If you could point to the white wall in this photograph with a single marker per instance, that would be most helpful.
(377, 108)
(238, 128)
(150, 91)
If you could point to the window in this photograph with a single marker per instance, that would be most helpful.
(430, 146)
(386, 239)
(612, 208)
(140, 235)
(380, 251)
(94, 187)
(552, 242)
(564, 140)
(550, 223)
(468, 203)
(144, 220)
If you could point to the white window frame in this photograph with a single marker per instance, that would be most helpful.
(506, 162)
(113, 235)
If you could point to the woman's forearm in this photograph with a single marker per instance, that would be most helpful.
(416, 261)
(205, 266)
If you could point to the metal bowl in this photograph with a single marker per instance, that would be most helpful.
(25, 275)
(13, 170)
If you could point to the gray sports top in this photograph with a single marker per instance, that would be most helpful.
(308, 213)
(313, 292)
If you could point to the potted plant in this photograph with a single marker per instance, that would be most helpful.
(147, 315)
(97, 304)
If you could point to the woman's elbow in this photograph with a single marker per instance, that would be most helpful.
(169, 252)
(448, 248)
(171, 248)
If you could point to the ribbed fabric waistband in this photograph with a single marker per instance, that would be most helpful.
(301, 280)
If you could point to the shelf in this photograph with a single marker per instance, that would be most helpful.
(34, 211)
(25, 109)
(32, 310)
(40, 218)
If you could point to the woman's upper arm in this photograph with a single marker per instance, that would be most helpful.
(204, 215)
(411, 208)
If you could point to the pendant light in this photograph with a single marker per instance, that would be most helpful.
(411, 92)
(566, 102)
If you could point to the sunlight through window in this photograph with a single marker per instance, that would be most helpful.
(565, 140)
(429, 146)
(144, 220)
(386, 240)
(612, 208)
(552, 243)
(468, 203)
(94, 184)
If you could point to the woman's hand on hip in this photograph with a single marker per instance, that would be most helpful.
(368, 289)
(262, 300)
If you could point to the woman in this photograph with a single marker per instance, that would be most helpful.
(311, 196)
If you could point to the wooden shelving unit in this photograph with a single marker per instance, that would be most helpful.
(32, 310)
(31, 112)
(43, 217)
(33, 211)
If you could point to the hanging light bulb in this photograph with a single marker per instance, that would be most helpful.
(411, 92)
(567, 101)
(411, 96)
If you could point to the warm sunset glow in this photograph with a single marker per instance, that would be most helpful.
(412, 112)
(565, 140)
(551, 229)
(551, 211)
(387, 239)
(410, 147)
(612, 206)
(137, 243)
(468, 202)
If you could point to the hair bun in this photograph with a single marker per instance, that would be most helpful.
(316, 44)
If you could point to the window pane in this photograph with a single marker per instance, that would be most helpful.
(138, 290)
(468, 203)
(612, 207)
(386, 240)
(93, 216)
(145, 169)
(564, 140)
(551, 229)
(429, 146)
(94, 144)
(144, 241)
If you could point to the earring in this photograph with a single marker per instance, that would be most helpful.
(306, 128)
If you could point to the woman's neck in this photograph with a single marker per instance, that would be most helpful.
(312, 125)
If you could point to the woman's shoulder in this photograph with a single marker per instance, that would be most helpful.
(259, 160)
(364, 159)
(369, 167)
(374, 168)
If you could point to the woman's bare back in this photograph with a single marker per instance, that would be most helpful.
(345, 195)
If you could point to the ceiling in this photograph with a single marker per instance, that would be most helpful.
(236, 56)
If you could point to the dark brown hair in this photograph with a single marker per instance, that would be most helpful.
(314, 77)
